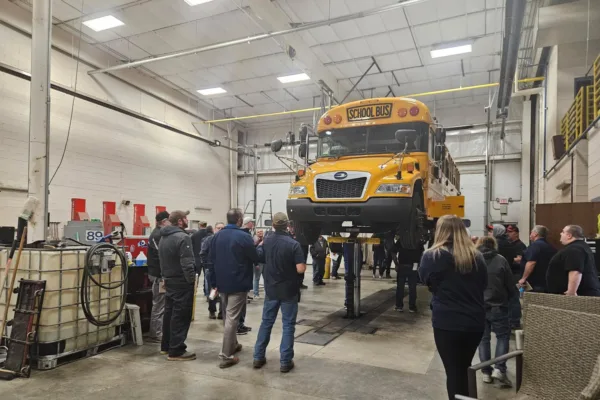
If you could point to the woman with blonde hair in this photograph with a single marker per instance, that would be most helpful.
(456, 274)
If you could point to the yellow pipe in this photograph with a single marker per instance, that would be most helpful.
(460, 89)
(261, 115)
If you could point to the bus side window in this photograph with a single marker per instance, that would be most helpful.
(431, 143)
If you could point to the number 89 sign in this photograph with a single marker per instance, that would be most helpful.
(93, 236)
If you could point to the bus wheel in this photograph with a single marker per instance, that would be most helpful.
(307, 234)
(412, 235)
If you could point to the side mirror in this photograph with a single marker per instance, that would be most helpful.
(440, 135)
(268, 222)
(302, 151)
(303, 133)
(403, 134)
(276, 145)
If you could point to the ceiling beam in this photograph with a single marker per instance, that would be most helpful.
(269, 14)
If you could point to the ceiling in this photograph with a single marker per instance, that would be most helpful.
(399, 42)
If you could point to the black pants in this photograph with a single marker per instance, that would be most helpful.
(387, 264)
(212, 305)
(379, 262)
(406, 273)
(179, 301)
(335, 265)
(305, 252)
(456, 351)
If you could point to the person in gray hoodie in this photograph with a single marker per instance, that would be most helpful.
(178, 270)
(497, 295)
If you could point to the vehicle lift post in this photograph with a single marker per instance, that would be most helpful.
(352, 278)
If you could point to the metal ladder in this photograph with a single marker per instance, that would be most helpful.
(260, 220)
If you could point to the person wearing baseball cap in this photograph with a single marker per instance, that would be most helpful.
(232, 257)
(176, 255)
(158, 298)
(284, 261)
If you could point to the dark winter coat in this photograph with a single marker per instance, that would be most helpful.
(500, 287)
(233, 256)
(176, 256)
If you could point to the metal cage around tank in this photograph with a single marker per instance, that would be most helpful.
(64, 332)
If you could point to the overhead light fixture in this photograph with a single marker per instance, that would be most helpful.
(451, 49)
(294, 78)
(103, 23)
(211, 91)
(197, 2)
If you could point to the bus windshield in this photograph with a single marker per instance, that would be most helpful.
(377, 139)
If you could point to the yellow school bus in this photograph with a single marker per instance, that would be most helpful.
(381, 166)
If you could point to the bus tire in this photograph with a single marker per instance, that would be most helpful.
(307, 234)
(412, 235)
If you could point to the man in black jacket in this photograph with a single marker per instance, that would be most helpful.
(572, 271)
(178, 270)
(379, 255)
(408, 262)
(318, 252)
(158, 295)
(197, 239)
(508, 251)
(206, 265)
(391, 252)
(338, 250)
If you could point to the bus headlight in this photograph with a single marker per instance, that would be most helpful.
(296, 190)
(394, 188)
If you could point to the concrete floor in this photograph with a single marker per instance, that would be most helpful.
(398, 361)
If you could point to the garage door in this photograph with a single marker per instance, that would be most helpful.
(472, 187)
(277, 193)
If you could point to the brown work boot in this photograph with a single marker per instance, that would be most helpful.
(238, 348)
(187, 356)
(212, 316)
(258, 364)
(287, 367)
(229, 362)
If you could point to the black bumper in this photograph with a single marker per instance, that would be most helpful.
(374, 211)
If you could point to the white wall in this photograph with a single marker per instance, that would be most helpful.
(567, 62)
(110, 156)
(594, 164)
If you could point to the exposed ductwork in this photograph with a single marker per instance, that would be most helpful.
(513, 25)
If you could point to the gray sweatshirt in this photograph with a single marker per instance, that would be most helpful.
(500, 285)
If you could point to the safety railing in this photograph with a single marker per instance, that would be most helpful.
(596, 92)
(584, 110)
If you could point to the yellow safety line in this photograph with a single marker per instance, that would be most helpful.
(460, 89)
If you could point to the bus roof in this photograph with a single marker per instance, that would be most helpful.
(379, 111)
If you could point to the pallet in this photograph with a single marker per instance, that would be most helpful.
(53, 361)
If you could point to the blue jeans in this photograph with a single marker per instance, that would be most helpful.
(289, 311)
(514, 310)
(318, 270)
(258, 270)
(497, 322)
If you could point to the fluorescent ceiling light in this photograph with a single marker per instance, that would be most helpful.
(196, 2)
(451, 50)
(293, 78)
(103, 23)
(211, 91)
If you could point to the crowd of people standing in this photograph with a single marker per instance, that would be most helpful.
(475, 282)
(233, 261)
